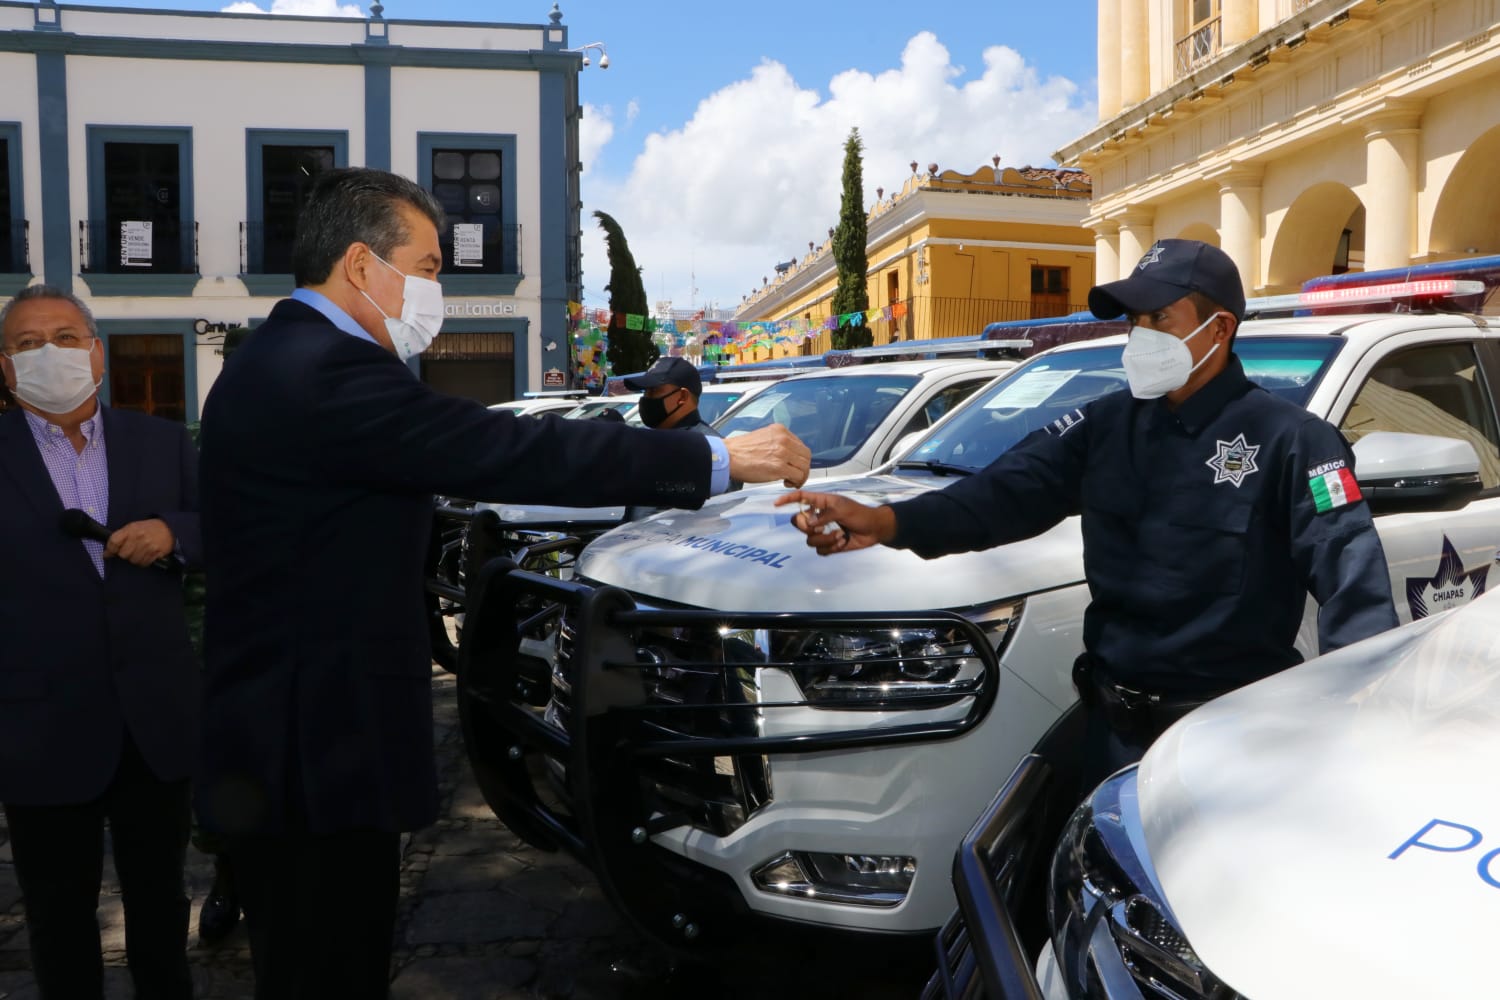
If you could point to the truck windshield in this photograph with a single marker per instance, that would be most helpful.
(1053, 386)
(711, 405)
(833, 414)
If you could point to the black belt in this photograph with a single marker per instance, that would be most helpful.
(1136, 715)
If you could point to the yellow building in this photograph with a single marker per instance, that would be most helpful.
(1305, 137)
(949, 253)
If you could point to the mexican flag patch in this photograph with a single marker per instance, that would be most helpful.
(1332, 485)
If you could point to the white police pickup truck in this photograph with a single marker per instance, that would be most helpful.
(1268, 836)
(853, 419)
(1264, 839)
(738, 735)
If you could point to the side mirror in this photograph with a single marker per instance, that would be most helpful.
(906, 444)
(1416, 471)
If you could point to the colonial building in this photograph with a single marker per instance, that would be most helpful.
(155, 162)
(1305, 137)
(948, 253)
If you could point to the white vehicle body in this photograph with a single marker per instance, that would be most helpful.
(849, 435)
(916, 800)
(920, 392)
(626, 404)
(536, 406)
(1277, 827)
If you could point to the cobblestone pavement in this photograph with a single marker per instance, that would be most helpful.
(483, 917)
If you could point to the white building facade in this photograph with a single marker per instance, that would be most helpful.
(154, 163)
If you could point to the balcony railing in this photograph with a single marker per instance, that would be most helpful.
(15, 248)
(138, 246)
(266, 247)
(497, 250)
(1199, 47)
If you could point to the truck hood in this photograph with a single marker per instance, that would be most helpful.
(516, 515)
(739, 552)
(525, 515)
(1332, 831)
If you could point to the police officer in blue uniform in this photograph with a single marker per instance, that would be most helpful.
(1210, 509)
(670, 390)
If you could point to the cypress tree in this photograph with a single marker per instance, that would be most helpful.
(629, 350)
(853, 293)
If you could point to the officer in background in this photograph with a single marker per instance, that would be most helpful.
(1210, 509)
(670, 390)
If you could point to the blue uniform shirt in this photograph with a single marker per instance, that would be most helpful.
(1204, 530)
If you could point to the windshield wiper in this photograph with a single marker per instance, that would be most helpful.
(941, 468)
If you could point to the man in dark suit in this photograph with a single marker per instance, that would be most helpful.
(321, 452)
(98, 686)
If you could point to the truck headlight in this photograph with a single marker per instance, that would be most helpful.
(891, 667)
(1108, 915)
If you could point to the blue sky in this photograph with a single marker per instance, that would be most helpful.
(715, 136)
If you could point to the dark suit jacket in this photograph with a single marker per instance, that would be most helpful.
(320, 455)
(697, 426)
(83, 659)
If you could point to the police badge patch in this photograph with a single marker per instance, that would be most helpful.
(1234, 461)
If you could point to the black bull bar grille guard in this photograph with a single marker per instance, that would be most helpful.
(621, 763)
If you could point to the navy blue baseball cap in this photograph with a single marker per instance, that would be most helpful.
(668, 371)
(1168, 271)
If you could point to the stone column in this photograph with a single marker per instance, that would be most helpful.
(1135, 53)
(1106, 249)
(1240, 219)
(1392, 134)
(1137, 233)
(1238, 21)
(1109, 59)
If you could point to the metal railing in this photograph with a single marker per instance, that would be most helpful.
(15, 248)
(1200, 46)
(266, 247)
(166, 247)
(498, 252)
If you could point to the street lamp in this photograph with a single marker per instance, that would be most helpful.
(603, 55)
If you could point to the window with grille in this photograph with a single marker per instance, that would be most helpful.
(469, 184)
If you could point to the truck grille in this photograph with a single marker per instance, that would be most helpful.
(716, 794)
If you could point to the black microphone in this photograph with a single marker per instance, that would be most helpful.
(78, 524)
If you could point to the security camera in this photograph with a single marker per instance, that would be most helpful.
(586, 63)
(604, 62)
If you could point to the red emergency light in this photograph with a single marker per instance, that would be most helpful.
(1350, 295)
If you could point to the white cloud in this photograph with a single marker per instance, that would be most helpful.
(595, 130)
(303, 8)
(632, 112)
(755, 174)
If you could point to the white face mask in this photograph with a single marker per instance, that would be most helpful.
(421, 313)
(1156, 362)
(55, 379)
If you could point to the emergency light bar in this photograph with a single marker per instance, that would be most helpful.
(730, 374)
(913, 347)
(1351, 295)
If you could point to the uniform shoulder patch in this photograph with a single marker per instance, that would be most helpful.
(1065, 423)
(1333, 485)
